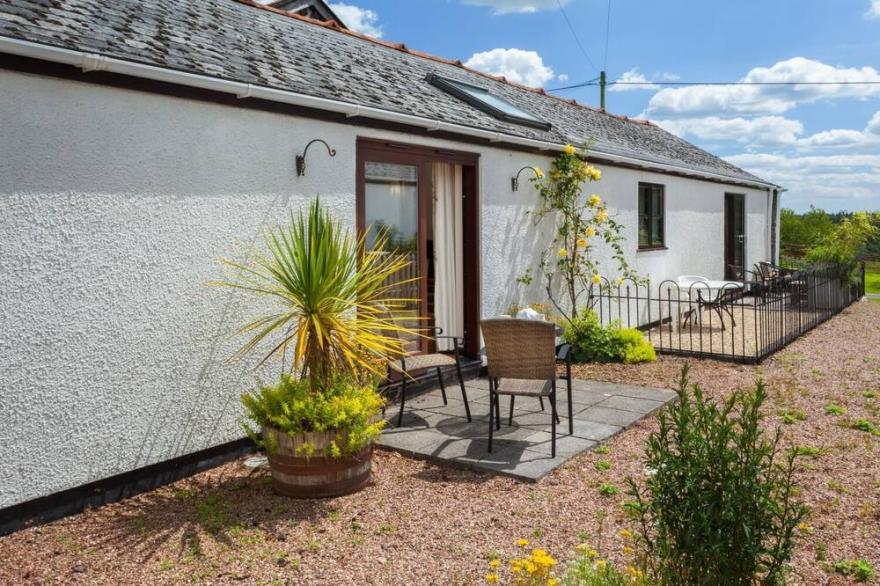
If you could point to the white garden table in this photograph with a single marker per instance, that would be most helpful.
(700, 290)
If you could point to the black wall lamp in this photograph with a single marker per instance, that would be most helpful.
(514, 181)
(301, 159)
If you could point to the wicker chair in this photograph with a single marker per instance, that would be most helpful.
(522, 358)
(438, 362)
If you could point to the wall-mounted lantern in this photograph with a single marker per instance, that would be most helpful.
(514, 181)
(301, 159)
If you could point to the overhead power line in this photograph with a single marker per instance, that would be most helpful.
(593, 82)
(575, 35)
(607, 34)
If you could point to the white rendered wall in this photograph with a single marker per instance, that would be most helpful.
(114, 206)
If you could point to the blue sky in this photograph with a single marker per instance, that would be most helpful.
(821, 142)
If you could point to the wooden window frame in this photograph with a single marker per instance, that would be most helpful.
(651, 215)
(422, 157)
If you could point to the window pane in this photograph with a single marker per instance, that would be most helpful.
(644, 231)
(657, 231)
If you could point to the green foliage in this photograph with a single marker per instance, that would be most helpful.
(844, 244)
(866, 426)
(580, 222)
(591, 342)
(798, 232)
(859, 570)
(603, 465)
(635, 347)
(717, 502)
(292, 407)
(212, 513)
(608, 490)
(330, 301)
(832, 409)
(587, 570)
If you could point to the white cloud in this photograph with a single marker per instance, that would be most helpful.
(874, 124)
(632, 76)
(763, 130)
(562, 77)
(517, 6)
(361, 20)
(844, 181)
(873, 10)
(703, 100)
(517, 65)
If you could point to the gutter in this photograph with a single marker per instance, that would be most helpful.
(88, 62)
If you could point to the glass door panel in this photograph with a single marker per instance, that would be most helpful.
(391, 206)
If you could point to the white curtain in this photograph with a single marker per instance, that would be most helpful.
(448, 276)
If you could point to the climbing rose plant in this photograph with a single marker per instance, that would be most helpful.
(580, 221)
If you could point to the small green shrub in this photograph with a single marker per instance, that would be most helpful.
(870, 394)
(609, 490)
(832, 409)
(634, 348)
(866, 426)
(806, 451)
(859, 570)
(292, 407)
(603, 465)
(717, 502)
(592, 342)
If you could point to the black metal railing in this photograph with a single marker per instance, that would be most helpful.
(742, 322)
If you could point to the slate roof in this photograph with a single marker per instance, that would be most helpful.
(238, 41)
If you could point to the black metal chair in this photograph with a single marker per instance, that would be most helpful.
(438, 361)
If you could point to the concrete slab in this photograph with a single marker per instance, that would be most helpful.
(440, 432)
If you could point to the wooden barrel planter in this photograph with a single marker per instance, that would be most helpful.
(317, 476)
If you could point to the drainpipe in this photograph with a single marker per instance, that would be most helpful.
(94, 62)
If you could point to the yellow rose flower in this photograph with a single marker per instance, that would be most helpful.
(523, 542)
(582, 242)
(590, 232)
(539, 173)
(593, 173)
(563, 253)
(596, 278)
(602, 216)
(569, 149)
(619, 281)
(595, 200)
(492, 578)
(494, 563)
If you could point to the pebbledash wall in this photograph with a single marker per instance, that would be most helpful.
(114, 206)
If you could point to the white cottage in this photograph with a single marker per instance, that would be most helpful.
(141, 138)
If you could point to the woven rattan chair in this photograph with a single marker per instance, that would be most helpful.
(522, 358)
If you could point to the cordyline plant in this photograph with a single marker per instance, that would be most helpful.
(580, 222)
(333, 303)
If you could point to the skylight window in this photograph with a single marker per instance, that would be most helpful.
(487, 102)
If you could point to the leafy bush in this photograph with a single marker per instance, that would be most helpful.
(634, 347)
(858, 570)
(717, 503)
(292, 407)
(592, 342)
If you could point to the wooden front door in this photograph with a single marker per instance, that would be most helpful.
(394, 194)
(734, 237)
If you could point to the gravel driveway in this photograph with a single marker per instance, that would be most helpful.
(421, 523)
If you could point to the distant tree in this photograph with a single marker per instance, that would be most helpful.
(800, 232)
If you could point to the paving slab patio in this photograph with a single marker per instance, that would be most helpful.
(438, 431)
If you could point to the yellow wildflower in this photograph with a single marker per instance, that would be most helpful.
(625, 533)
(494, 563)
(631, 571)
(552, 581)
(600, 564)
(582, 242)
(619, 281)
(628, 550)
(590, 232)
(602, 216)
(596, 279)
(492, 578)
(539, 173)
(595, 200)
(569, 149)
(522, 542)
(582, 547)
(562, 254)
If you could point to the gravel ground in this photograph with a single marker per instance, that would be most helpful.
(421, 523)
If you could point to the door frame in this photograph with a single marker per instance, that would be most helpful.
(387, 151)
(731, 199)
